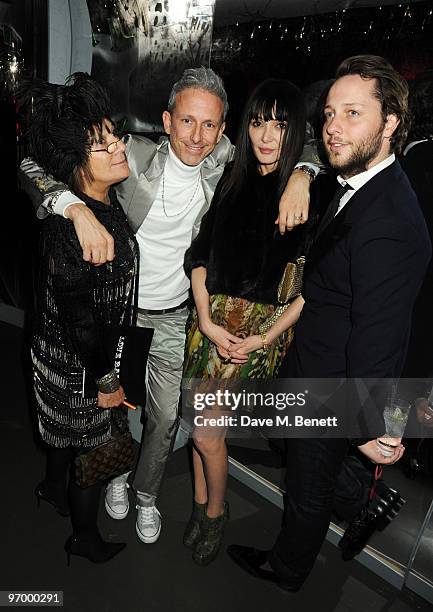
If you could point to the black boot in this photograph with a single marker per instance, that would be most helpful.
(86, 540)
(211, 537)
(92, 548)
(53, 488)
(381, 512)
(357, 534)
(193, 527)
(55, 496)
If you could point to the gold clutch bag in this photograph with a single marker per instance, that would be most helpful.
(291, 282)
(290, 287)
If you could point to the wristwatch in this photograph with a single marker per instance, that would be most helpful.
(307, 170)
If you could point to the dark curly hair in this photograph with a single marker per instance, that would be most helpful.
(391, 90)
(64, 122)
(421, 106)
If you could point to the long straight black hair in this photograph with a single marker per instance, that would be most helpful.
(273, 99)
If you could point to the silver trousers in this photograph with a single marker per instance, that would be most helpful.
(163, 383)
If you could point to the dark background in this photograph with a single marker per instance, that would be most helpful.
(18, 230)
(252, 40)
(308, 48)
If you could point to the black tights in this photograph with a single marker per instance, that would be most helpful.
(57, 467)
(83, 503)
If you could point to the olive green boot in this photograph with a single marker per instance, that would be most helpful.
(211, 537)
(193, 528)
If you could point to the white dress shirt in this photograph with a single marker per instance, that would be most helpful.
(359, 180)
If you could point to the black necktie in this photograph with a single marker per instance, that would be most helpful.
(330, 212)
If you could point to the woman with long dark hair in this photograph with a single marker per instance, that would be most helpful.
(236, 264)
(76, 387)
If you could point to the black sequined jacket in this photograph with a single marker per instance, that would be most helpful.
(76, 301)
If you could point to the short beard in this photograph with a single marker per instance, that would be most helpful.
(364, 153)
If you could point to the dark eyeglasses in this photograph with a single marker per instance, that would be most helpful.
(112, 147)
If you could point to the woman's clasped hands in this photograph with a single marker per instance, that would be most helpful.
(240, 353)
(231, 348)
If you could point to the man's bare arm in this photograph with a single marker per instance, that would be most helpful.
(51, 197)
(96, 242)
(295, 201)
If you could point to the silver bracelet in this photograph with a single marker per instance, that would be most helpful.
(108, 383)
(306, 170)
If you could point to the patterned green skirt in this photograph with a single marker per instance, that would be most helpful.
(241, 318)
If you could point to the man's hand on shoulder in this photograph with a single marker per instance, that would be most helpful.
(96, 242)
(295, 202)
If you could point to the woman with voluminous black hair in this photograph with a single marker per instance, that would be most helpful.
(77, 391)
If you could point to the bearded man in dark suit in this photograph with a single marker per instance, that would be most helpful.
(364, 272)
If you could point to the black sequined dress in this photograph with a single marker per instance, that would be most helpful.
(76, 302)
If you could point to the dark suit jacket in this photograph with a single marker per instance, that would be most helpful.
(363, 275)
(418, 165)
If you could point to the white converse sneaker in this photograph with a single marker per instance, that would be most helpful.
(116, 497)
(148, 525)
